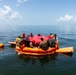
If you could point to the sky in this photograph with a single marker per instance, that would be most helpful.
(37, 12)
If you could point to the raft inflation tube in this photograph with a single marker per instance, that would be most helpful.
(36, 51)
(1, 45)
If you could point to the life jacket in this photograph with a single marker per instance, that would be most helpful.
(52, 42)
(44, 45)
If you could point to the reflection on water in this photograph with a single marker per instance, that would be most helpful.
(42, 59)
(67, 54)
(2, 49)
(12, 46)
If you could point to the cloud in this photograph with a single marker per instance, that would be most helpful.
(67, 18)
(8, 14)
(20, 1)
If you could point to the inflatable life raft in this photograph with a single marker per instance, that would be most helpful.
(1, 45)
(36, 50)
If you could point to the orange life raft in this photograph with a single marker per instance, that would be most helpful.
(36, 50)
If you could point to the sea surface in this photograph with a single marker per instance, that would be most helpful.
(58, 64)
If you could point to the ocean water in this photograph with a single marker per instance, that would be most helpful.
(58, 64)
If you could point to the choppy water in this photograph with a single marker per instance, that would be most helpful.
(58, 64)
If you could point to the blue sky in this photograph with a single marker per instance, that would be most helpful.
(37, 12)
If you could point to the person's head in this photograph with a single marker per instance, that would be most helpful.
(31, 34)
(51, 35)
(55, 36)
(19, 36)
(41, 39)
(39, 35)
(23, 35)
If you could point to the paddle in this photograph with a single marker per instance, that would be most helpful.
(12, 43)
(65, 50)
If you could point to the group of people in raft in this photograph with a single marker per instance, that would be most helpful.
(40, 41)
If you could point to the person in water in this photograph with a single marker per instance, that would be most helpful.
(43, 44)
